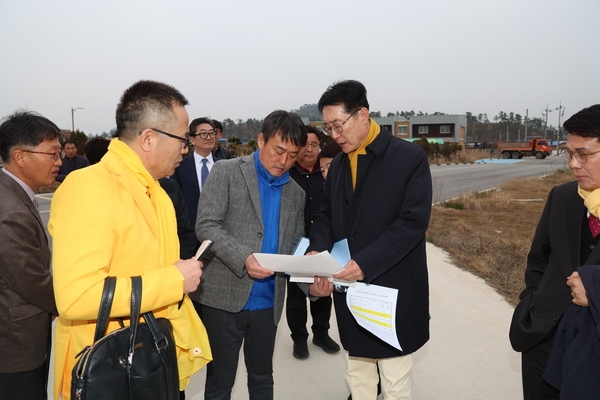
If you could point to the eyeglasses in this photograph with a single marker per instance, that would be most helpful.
(185, 140)
(580, 157)
(338, 128)
(55, 156)
(205, 135)
(312, 145)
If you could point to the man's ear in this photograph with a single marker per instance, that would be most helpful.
(18, 158)
(145, 139)
(364, 114)
(261, 140)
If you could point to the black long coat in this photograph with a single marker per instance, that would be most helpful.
(384, 220)
(555, 253)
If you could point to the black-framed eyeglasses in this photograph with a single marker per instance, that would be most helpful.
(581, 157)
(204, 135)
(185, 140)
(338, 128)
(55, 156)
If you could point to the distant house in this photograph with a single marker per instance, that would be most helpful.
(449, 128)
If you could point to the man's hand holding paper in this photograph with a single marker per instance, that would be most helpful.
(351, 272)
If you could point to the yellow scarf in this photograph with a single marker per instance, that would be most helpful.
(374, 130)
(191, 339)
(591, 200)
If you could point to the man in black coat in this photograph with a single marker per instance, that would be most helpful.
(563, 241)
(377, 196)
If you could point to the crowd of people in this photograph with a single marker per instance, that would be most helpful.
(139, 204)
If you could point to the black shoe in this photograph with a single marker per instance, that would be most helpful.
(300, 350)
(326, 343)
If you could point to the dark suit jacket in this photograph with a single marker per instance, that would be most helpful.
(188, 244)
(384, 220)
(554, 255)
(187, 177)
(26, 293)
(69, 166)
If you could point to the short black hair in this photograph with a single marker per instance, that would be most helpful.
(351, 94)
(25, 128)
(69, 141)
(287, 125)
(194, 124)
(330, 150)
(585, 123)
(315, 131)
(217, 125)
(144, 104)
(95, 149)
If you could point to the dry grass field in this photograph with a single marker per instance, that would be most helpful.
(489, 233)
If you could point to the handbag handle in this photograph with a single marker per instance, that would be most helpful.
(108, 293)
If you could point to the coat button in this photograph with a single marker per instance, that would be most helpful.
(259, 234)
(350, 240)
(592, 246)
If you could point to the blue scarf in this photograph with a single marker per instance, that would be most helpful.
(270, 188)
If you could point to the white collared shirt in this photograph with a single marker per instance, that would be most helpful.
(198, 161)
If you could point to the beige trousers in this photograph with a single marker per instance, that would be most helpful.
(395, 374)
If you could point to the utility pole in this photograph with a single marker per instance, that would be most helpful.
(545, 114)
(526, 117)
(561, 112)
(73, 117)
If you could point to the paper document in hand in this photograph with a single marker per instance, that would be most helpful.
(374, 308)
(340, 251)
(321, 264)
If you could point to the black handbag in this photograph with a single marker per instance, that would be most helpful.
(135, 362)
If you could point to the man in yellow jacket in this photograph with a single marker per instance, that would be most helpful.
(114, 219)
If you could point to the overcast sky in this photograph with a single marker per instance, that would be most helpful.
(243, 59)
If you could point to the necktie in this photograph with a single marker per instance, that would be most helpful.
(594, 225)
(36, 204)
(203, 172)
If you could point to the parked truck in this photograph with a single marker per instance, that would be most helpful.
(540, 148)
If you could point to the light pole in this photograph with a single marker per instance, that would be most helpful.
(561, 112)
(73, 117)
(545, 114)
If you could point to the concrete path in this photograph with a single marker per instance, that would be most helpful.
(467, 357)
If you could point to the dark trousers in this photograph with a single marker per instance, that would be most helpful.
(296, 315)
(227, 331)
(26, 385)
(533, 365)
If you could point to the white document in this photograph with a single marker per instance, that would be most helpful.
(321, 264)
(303, 268)
(374, 308)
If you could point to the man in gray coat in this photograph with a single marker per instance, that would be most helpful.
(31, 152)
(249, 205)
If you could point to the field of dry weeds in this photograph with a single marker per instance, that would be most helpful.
(489, 233)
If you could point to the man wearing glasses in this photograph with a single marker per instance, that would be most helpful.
(566, 237)
(377, 195)
(114, 219)
(194, 169)
(30, 150)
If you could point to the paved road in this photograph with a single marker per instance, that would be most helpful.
(450, 181)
